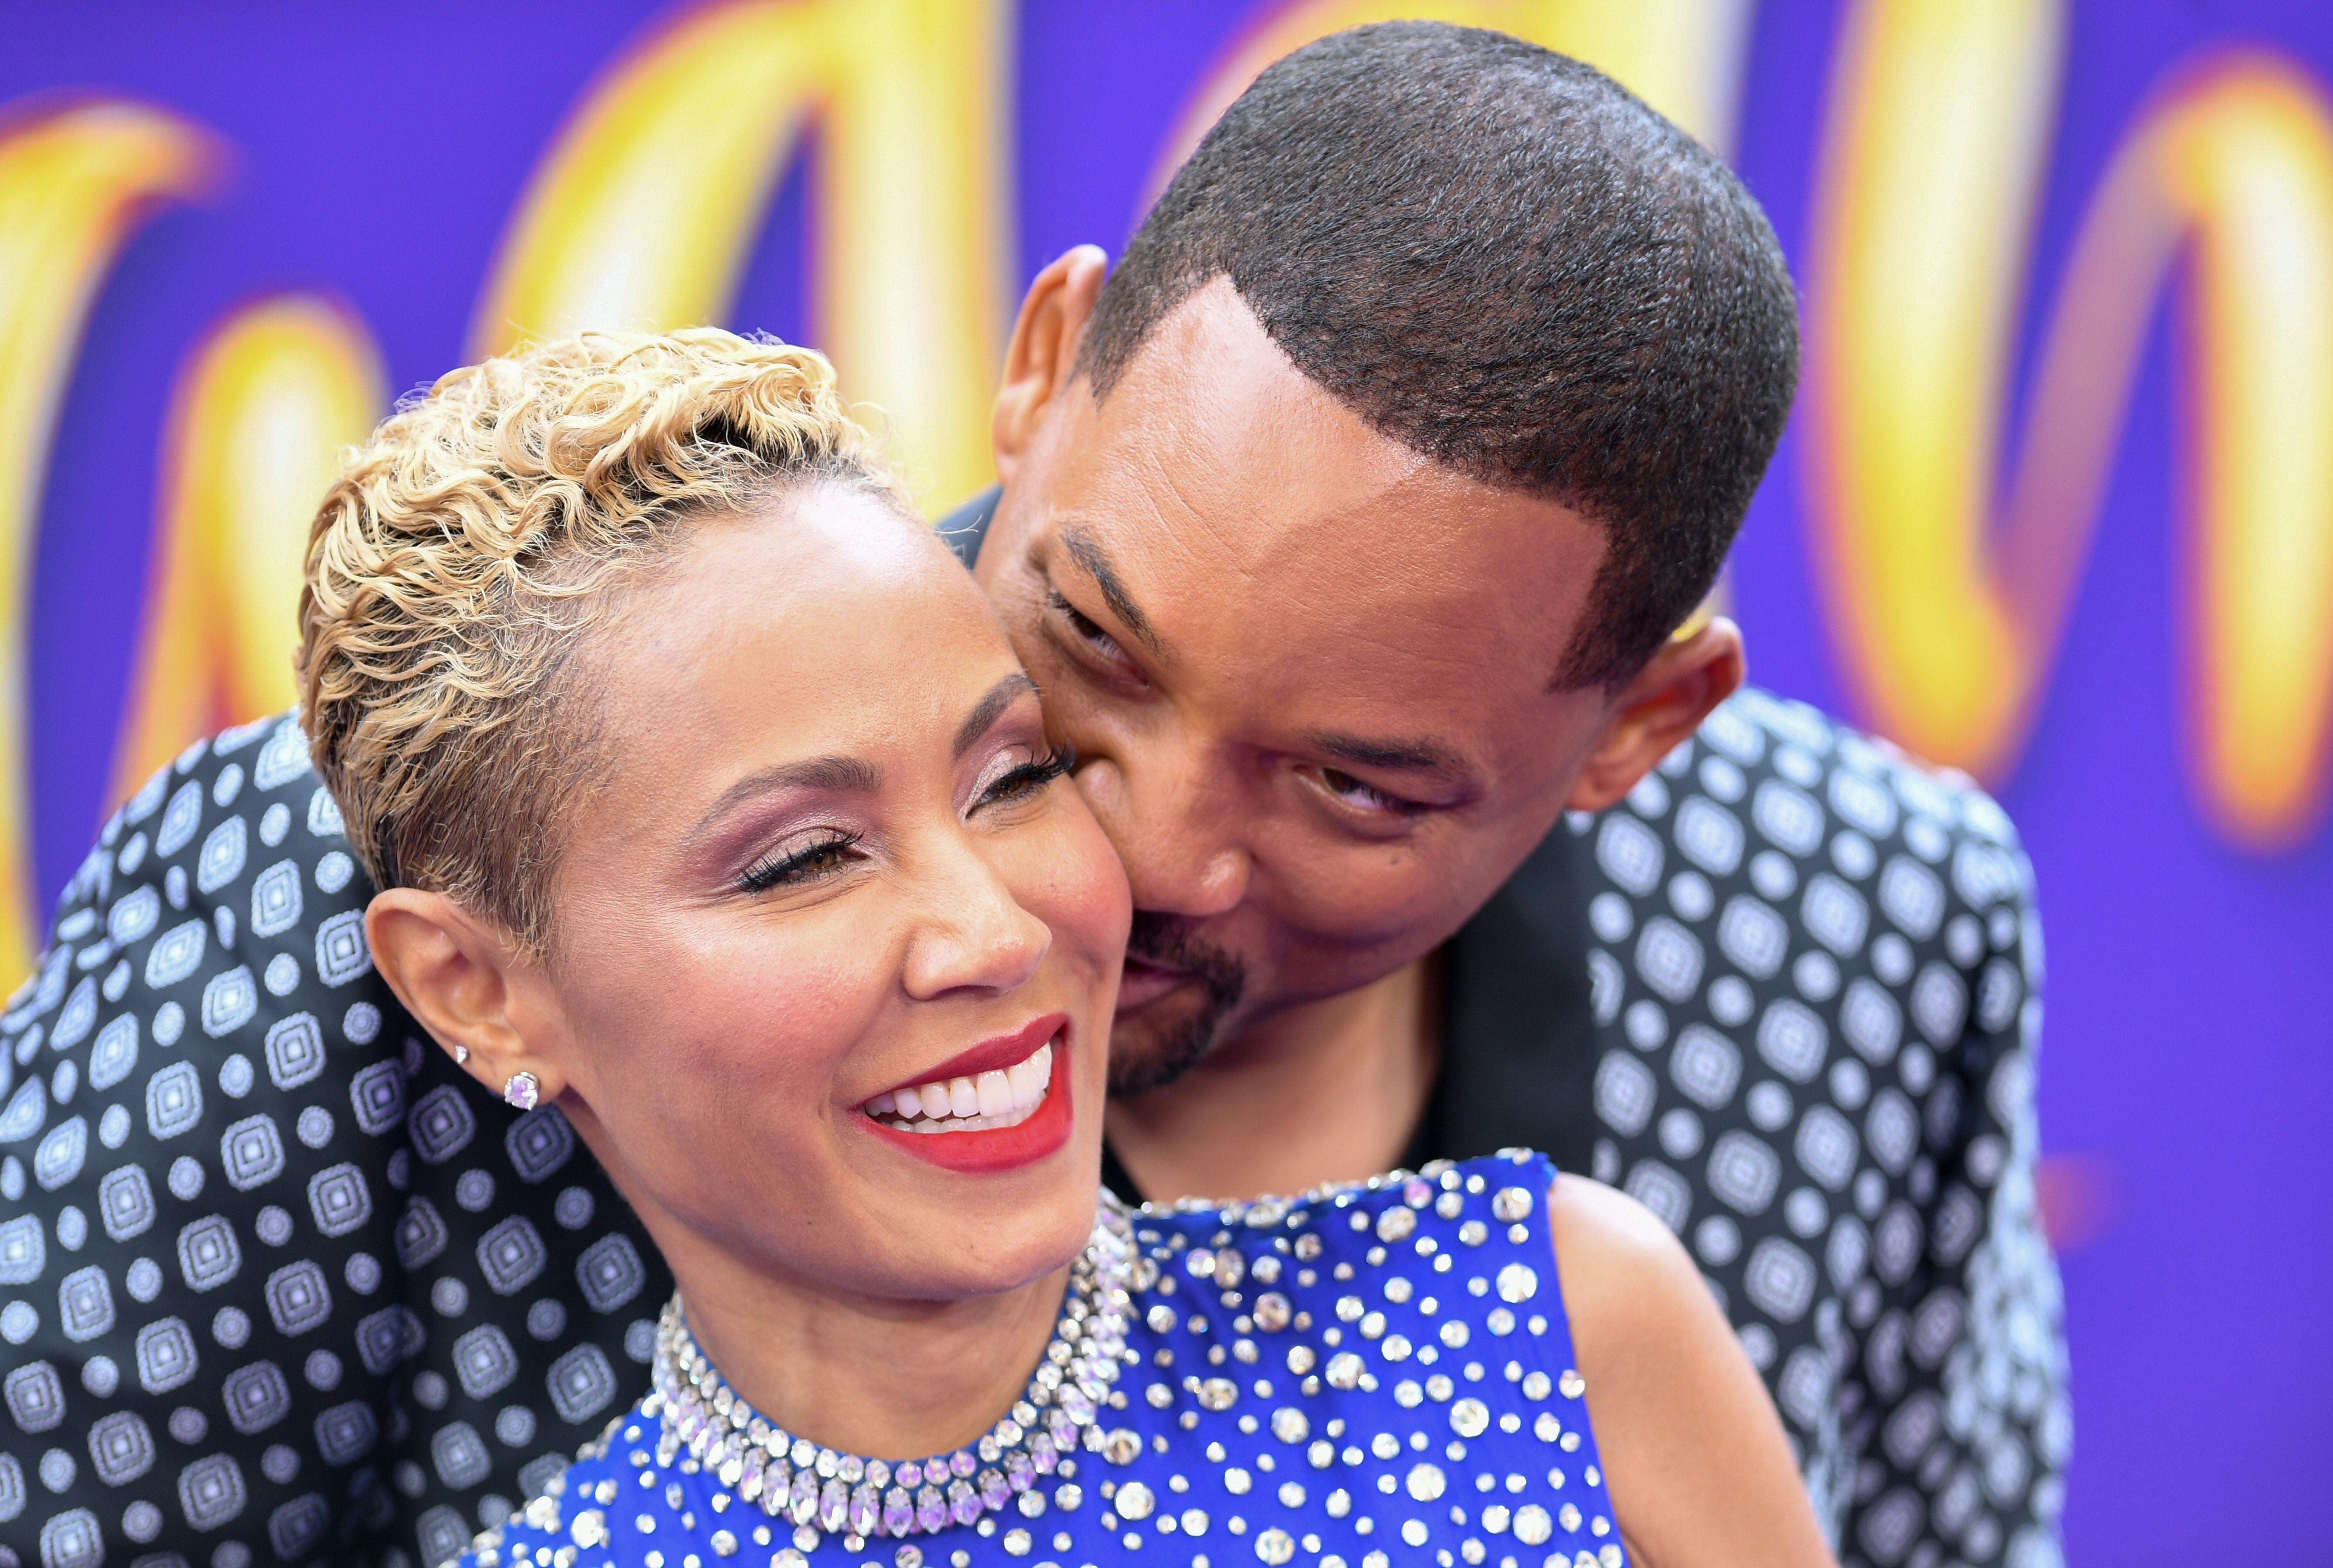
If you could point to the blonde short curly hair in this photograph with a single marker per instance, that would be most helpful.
(462, 552)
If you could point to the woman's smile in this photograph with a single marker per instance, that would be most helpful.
(1005, 1103)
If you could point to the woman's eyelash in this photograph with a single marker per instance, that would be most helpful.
(825, 857)
(1031, 777)
(811, 861)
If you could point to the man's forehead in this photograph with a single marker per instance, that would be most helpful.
(1244, 525)
(1213, 442)
(1332, 657)
(1210, 406)
(1446, 593)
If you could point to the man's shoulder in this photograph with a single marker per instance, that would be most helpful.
(1783, 852)
(262, 1247)
(1791, 909)
(1812, 823)
(220, 895)
(1783, 894)
(1869, 784)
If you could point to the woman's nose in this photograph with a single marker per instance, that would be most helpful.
(977, 937)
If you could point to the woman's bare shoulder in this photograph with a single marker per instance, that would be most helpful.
(1693, 1454)
(1622, 1269)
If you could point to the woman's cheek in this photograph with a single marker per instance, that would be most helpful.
(769, 1031)
(1088, 905)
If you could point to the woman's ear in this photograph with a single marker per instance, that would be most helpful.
(1041, 360)
(1677, 689)
(466, 983)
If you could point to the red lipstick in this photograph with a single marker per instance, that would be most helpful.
(996, 1149)
(996, 1054)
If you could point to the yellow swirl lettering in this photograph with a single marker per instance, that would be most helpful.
(256, 419)
(1948, 617)
(74, 182)
(643, 212)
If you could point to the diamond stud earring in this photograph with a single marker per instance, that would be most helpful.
(520, 1091)
(461, 1055)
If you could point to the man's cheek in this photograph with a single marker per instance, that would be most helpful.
(1380, 904)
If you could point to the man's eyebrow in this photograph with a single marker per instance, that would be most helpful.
(847, 775)
(1086, 552)
(1419, 756)
(1001, 696)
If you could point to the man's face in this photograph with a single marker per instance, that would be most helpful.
(1309, 674)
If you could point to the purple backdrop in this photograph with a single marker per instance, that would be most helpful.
(380, 150)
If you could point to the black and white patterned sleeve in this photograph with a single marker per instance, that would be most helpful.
(278, 1283)
(1955, 1401)
(1815, 975)
(203, 1022)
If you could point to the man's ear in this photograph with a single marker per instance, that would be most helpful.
(466, 983)
(1041, 358)
(1659, 710)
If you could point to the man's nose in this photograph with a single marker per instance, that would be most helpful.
(1181, 837)
(977, 937)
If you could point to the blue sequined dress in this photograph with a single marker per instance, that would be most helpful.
(1374, 1374)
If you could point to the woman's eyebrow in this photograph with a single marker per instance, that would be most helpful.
(985, 713)
(845, 775)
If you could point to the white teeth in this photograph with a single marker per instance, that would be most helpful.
(1000, 1098)
(1024, 1083)
(1039, 1070)
(966, 1124)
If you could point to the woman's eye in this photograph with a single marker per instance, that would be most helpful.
(1004, 783)
(804, 864)
(1363, 797)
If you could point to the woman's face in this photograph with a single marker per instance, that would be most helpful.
(823, 896)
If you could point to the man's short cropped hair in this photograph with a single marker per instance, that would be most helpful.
(1503, 259)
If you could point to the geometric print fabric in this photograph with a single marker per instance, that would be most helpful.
(278, 1283)
(1815, 971)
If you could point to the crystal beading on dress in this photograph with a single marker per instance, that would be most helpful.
(1373, 1374)
(825, 1493)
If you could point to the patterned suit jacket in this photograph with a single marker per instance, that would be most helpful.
(278, 1284)
(1813, 985)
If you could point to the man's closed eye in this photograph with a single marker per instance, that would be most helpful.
(1088, 634)
(1358, 796)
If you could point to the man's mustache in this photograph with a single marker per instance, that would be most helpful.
(1170, 942)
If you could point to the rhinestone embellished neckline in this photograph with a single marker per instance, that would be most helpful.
(707, 1425)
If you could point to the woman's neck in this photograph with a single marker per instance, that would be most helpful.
(881, 1379)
